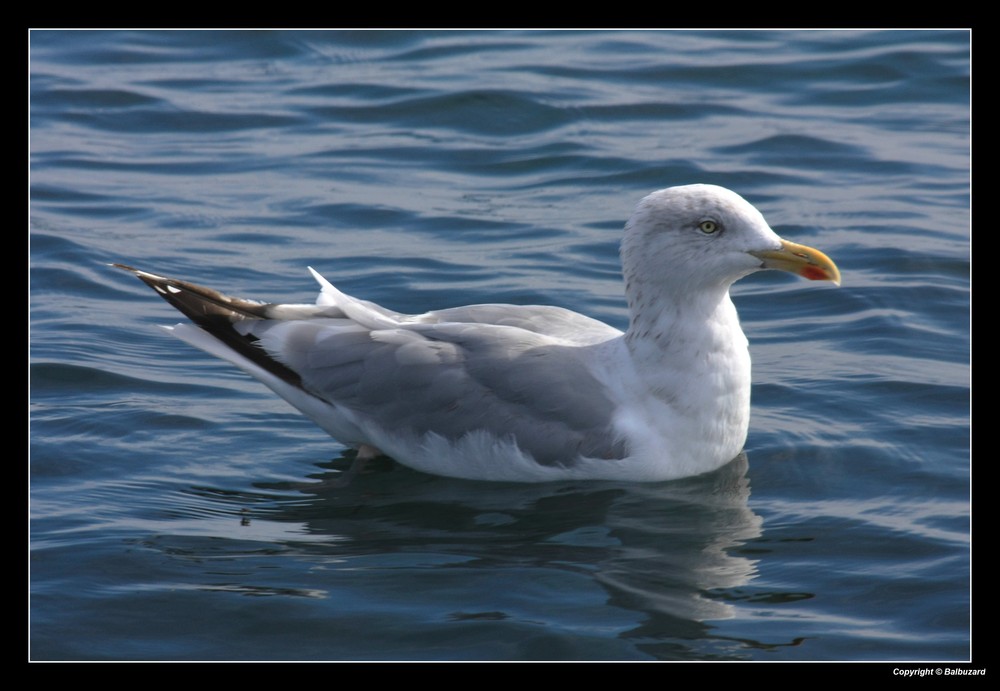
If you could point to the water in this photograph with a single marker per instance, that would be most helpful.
(179, 511)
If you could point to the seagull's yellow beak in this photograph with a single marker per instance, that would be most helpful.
(805, 261)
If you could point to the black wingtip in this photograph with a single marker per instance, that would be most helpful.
(198, 303)
(216, 313)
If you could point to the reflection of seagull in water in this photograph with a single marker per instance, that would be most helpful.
(671, 552)
(529, 393)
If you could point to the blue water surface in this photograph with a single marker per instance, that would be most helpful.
(180, 511)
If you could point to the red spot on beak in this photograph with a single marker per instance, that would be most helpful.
(814, 273)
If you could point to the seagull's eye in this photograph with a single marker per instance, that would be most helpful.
(709, 227)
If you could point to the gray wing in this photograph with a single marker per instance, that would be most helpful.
(541, 319)
(525, 378)
(452, 379)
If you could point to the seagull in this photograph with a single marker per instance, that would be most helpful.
(529, 393)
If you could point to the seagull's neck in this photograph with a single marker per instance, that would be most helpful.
(689, 326)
